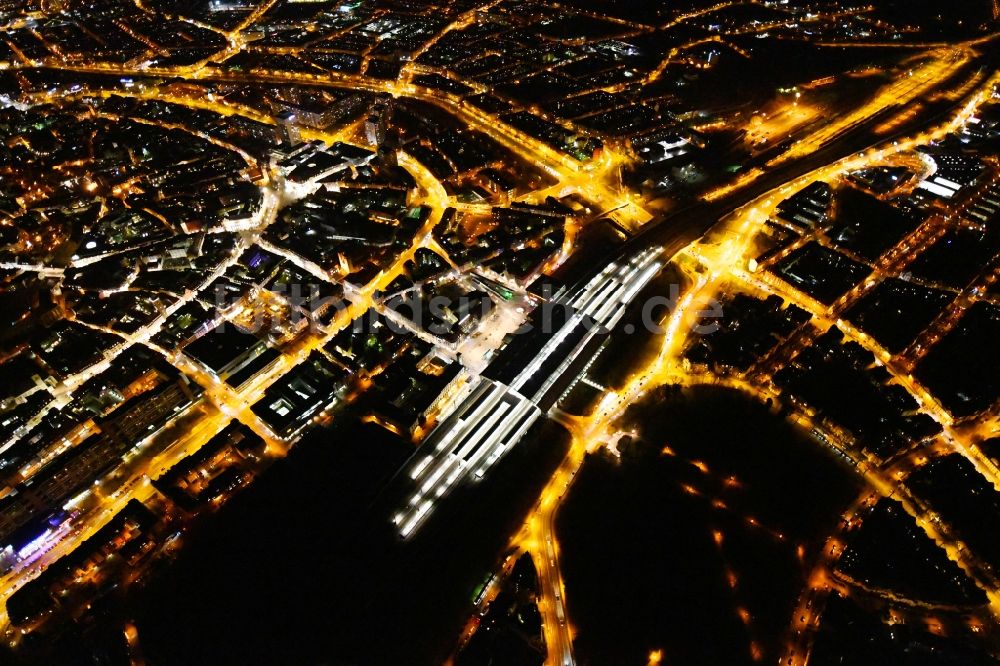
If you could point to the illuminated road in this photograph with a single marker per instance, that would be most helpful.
(220, 405)
(99, 504)
(597, 184)
(591, 432)
(939, 67)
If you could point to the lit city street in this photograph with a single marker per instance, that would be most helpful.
(388, 330)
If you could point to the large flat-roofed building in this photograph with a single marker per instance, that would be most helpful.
(522, 384)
